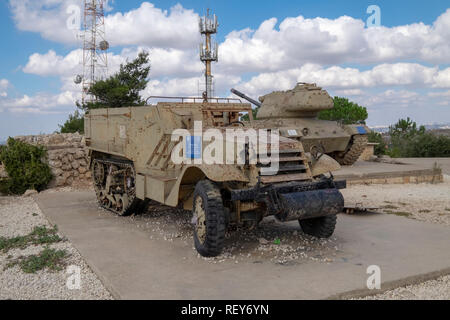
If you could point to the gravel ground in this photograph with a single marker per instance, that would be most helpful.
(18, 217)
(424, 202)
(438, 289)
(257, 245)
(283, 244)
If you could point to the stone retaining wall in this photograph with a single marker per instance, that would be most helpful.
(67, 157)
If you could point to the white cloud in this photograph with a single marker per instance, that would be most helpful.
(397, 98)
(51, 64)
(296, 41)
(439, 94)
(41, 103)
(47, 17)
(398, 74)
(4, 83)
(333, 41)
(164, 62)
(151, 26)
(146, 25)
(442, 80)
(188, 87)
(349, 92)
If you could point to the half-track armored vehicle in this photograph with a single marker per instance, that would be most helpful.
(135, 157)
(295, 112)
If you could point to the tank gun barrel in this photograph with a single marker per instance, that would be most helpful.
(245, 97)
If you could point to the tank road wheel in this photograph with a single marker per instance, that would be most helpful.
(208, 219)
(354, 150)
(322, 227)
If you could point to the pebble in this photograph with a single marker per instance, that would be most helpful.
(17, 285)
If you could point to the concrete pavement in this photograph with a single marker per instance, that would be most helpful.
(443, 163)
(406, 171)
(133, 266)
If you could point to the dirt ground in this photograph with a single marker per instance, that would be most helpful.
(425, 202)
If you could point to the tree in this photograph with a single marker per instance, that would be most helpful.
(75, 123)
(345, 111)
(123, 88)
(120, 90)
(405, 129)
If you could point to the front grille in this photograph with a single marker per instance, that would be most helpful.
(292, 166)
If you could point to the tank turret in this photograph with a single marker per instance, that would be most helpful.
(305, 100)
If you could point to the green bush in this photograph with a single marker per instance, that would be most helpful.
(426, 145)
(409, 141)
(26, 167)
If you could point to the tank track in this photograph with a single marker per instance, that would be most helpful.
(114, 184)
(355, 150)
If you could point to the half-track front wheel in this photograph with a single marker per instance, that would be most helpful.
(322, 227)
(208, 219)
(353, 152)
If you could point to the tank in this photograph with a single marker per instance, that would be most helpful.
(135, 158)
(295, 113)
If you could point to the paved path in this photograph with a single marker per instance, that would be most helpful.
(132, 266)
(443, 163)
(411, 167)
(368, 167)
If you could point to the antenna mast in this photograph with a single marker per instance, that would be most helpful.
(95, 46)
(208, 50)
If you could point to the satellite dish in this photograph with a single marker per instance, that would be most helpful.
(78, 79)
(104, 45)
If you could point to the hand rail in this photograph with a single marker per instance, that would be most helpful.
(195, 99)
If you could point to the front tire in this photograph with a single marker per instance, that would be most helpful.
(208, 219)
(322, 227)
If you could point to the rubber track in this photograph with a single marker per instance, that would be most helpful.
(357, 147)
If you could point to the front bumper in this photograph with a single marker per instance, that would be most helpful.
(297, 200)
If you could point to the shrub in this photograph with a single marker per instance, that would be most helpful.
(26, 167)
(48, 258)
(408, 141)
(428, 145)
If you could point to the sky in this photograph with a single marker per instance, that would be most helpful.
(394, 59)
